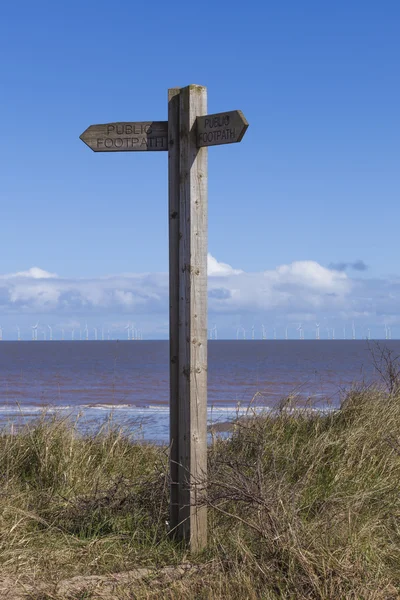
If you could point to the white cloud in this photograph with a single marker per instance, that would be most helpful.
(219, 268)
(32, 294)
(125, 298)
(299, 286)
(311, 274)
(32, 273)
(39, 296)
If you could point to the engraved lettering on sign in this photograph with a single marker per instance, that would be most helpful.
(221, 128)
(219, 134)
(121, 136)
(219, 121)
(159, 142)
(214, 132)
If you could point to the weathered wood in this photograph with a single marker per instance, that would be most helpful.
(127, 137)
(186, 135)
(192, 320)
(221, 128)
(173, 218)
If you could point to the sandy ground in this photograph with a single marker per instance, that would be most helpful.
(99, 586)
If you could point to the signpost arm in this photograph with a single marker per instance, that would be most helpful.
(173, 219)
(192, 442)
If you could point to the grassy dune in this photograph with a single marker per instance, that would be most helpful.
(304, 506)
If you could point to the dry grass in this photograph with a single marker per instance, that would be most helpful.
(301, 506)
(311, 505)
(73, 505)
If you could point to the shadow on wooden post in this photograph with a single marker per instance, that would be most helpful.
(173, 220)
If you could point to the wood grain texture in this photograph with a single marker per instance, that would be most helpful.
(140, 136)
(192, 320)
(173, 219)
(221, 128)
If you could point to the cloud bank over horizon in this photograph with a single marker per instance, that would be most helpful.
(302, 291)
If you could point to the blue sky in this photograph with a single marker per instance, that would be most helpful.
(313, 185)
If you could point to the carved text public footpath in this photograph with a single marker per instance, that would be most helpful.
(222, 128)
(123, 137)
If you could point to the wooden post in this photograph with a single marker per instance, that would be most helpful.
(192, 319)
(186, 135)
(173, 218)
(188, 315)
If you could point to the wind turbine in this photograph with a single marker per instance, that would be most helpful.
(95, 333)
(215, 332)
(353, 331)
(34, 331)
(62, 334)
(386, 332)
(18, 334)
(44, 334)
(300, 330)
(102, 334)
(317, 331)
(389, 333)
(333, 333)
(72, 334)
(108, 334)
(50, 333)
(274, 333)
(86, 331)
(368, 334)
(1, 333)
(239, 331)
(263, 333)
(286, 332)
(344, 332)
(252, 333)
(128, 329)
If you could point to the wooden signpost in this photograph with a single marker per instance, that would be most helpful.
(127, 137)
(186, 135)
(222, 128)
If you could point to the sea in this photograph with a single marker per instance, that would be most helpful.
(127, 382)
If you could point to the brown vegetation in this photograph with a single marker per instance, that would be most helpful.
(303, 506)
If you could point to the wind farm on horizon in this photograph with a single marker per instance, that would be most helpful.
(38, 332)
(129, 332)
(312, 334)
